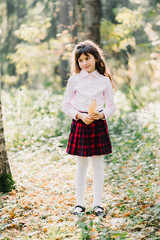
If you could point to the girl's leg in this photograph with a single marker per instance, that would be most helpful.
(98, 179)
(82, 166)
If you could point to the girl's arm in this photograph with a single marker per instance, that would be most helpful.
(110, 107)
(67, 106)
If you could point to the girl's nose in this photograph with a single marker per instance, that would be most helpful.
(84, 63)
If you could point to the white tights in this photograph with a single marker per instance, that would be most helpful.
(98, 179)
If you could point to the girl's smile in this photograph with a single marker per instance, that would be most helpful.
(87, 62)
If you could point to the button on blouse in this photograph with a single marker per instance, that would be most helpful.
(83, 88)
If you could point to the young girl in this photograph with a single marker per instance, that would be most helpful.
(89, 135)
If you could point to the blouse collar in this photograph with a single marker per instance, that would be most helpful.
(84, 73)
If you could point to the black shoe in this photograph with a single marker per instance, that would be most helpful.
(99, 211)
(76, 212)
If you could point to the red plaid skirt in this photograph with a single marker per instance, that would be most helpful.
(89, 140)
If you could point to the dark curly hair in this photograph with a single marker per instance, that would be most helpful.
(86, 47)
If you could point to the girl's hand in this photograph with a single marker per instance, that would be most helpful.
(97, 116)
(86, 118)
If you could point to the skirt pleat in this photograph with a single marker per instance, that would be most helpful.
(89, 140)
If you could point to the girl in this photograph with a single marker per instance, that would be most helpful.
(89, 135)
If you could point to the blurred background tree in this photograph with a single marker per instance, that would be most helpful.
(37, 38)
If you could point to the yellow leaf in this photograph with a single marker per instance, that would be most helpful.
(50, 221)
(13, 192)
(116, 215)
(45, 229)
(92, 107)
(126, 214)
(12, 215)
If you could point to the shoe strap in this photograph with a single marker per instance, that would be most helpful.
(98, 207)
(83, 208)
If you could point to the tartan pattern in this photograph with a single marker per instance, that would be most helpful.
(89, 140)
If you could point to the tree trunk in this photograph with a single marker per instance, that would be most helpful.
(73, 20)
(92, 20)
(79, 6)
(63, 25)
(6, 181)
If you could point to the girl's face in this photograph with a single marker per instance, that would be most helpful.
(87, 63)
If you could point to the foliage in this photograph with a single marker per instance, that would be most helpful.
(36, 133)
(31, 47)
(6, 183)
(34, 41)
(37, 56)
(37, 118)
(132, 43)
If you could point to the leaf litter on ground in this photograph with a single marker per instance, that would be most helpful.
(41, 205)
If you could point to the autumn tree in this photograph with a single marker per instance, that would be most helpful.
(6, 181)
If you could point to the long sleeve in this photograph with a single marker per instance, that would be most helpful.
(109, 101)
(67, 106)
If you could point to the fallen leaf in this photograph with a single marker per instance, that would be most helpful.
(126, 214)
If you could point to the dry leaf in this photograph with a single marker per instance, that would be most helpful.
(126, 214)
(92, 107)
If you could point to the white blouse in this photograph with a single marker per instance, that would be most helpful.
(83, 88)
